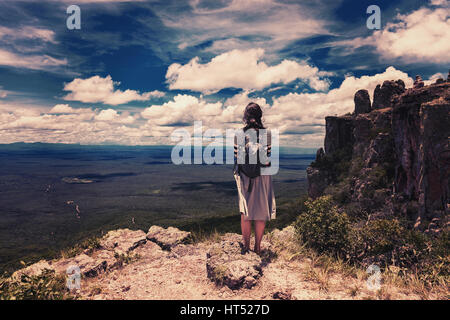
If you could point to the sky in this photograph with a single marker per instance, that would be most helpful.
(138, 70)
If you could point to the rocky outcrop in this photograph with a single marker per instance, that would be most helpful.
(382, 96)
(400, 152)
(113, 247)
(123, 241)
(180, 273)
(362, 102)
(317, 181)
(167, 238)
(227, 264)
(418, 82)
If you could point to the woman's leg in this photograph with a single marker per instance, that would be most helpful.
(259, 232)
(246, 228)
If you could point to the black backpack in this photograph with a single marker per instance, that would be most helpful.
(251, 170)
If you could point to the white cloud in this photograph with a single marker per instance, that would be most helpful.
(27, 32)
(65, 108)
(293, 111)
(64, 124)
(421, 36)
(298, 116)
(113, 116)
(433, 78)
(98, 89)
(439, 2)
(269, 24)
(37, 62)
(27, 56)
(241, 69)
(183, 109)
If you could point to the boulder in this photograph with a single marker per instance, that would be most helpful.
(227, 264)
(122, 241)
(167, 238)
(362, 102)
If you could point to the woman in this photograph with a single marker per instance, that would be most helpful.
(256, 195)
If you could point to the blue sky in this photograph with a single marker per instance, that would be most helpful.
(137, 70)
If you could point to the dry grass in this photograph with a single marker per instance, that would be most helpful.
(395, 281)
(206, 237)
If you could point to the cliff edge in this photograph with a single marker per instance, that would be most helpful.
(391, 156)
(167, 264)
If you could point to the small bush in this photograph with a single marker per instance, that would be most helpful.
(382, 236)
(322, 227)
(336, 164)
(46, 286)
(374, 238)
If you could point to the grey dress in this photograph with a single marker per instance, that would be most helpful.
(259, 204)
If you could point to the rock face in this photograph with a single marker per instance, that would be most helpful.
(167, 238)
(362, 102)
(400, 151)
(420, 125)
(339, 133)
(228, 265)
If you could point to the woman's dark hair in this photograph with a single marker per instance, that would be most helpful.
(252, 116)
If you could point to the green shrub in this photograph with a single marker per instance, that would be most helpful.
(382, 236)
(46, 286)
(322, 227)
(374, 238)
(336, 164)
